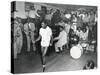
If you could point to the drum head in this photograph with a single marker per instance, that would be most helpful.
(75, 52)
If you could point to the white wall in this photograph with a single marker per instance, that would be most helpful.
(20, 7)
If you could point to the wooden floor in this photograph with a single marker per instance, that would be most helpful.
(31, 63)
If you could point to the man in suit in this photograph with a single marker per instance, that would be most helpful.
(29, 29)
(18, 39)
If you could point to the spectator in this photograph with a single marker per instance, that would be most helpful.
(18, 39)
(89, 65)
(29, 29)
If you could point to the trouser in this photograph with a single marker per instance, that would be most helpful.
(28, 42)
(34, 47)
(68, 41)
(32, 39)
(15, 50)
(17, 47)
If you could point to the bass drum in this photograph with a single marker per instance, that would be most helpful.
(76, 51)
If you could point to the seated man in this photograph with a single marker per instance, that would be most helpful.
(62, 39)
(84, 38)
(84, 34)
(73, 38)
(79, 32)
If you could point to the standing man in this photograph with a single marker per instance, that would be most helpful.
(29, 29)
(84, 34)
(45, 34)
(32, 13)
(67, 29)
(32, 33)
(18, 39)
(79, 32)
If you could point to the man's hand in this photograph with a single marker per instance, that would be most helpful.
(50, 44)
(33, 42)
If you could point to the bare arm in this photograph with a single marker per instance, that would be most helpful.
(38, 39)
(56, 38)
(51, 41)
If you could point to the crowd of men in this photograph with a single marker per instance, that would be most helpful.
(67, 29)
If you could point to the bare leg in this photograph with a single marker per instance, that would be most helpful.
(56, 48)
(61, 49)
(44, 50)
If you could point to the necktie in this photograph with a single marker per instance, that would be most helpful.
(29, 30)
